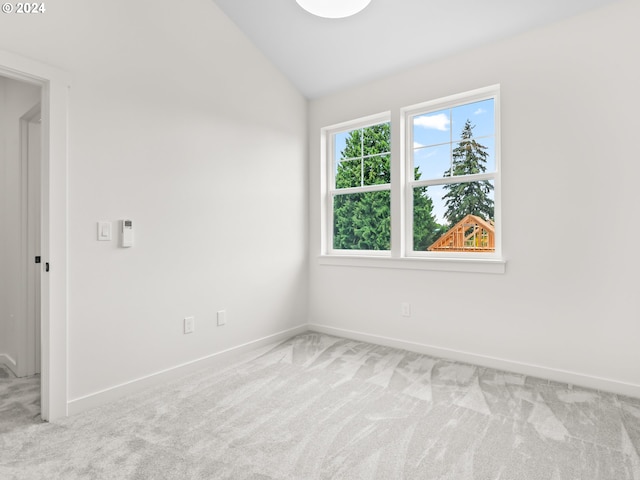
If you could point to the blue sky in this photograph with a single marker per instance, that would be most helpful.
(435, 136)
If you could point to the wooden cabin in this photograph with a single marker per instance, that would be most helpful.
(471, 234)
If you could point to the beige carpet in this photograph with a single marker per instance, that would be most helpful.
(320, 407)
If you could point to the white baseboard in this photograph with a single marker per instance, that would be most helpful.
(11, 364)
(563, 376)
(227, 357)
(218, 360)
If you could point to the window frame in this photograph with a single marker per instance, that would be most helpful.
(328, 140)
(409, 183)
(401, 254)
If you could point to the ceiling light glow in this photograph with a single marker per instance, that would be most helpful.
(333, 8)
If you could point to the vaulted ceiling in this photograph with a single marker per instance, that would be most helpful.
(321, 56)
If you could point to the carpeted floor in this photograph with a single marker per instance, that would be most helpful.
(322, 407)
(19, 401)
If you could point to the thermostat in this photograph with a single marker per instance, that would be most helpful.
(126, 233)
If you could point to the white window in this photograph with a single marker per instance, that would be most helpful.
(359, 187)
(447, 199)
(452, 176)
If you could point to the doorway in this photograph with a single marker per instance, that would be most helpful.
(20, 217)
(53, 85)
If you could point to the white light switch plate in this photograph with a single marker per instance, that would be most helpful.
(104, 231)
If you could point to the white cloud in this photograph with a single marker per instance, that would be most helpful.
(479, 111)
(417, 145)
(436, 122)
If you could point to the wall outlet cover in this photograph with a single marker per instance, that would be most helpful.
(189, 325)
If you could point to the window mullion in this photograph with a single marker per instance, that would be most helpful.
(455, 179)
(365, 156)
(363, 189)
(397, 185)
(362, 157)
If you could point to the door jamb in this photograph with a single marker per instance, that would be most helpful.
(26, 354)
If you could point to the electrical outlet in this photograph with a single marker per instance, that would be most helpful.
(222, 317)
(406, 309)
(189, 324)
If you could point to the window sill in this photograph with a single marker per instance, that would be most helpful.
(469, 265)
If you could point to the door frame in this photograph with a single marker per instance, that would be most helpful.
(55, 84)
(29, 331)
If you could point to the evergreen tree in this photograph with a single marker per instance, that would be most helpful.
(425, 228)
(362, 221)
(462, 199)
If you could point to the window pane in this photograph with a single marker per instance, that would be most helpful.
(479, 114)
(473, 156)
(349, 173)
(462, 137)
(377, 170)
(362, 221)
(432, 128)
(377, 139)
(362, 156)
(456, 218)
(431, 162)
(340, 143)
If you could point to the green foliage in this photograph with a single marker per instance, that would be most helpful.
(372, 143)
(462, 199)
(362, 221)
(425, 228)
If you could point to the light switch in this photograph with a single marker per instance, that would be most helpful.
(104, 231)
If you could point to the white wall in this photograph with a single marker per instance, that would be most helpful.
(16, 99)
(178, 123)
(567, 306)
